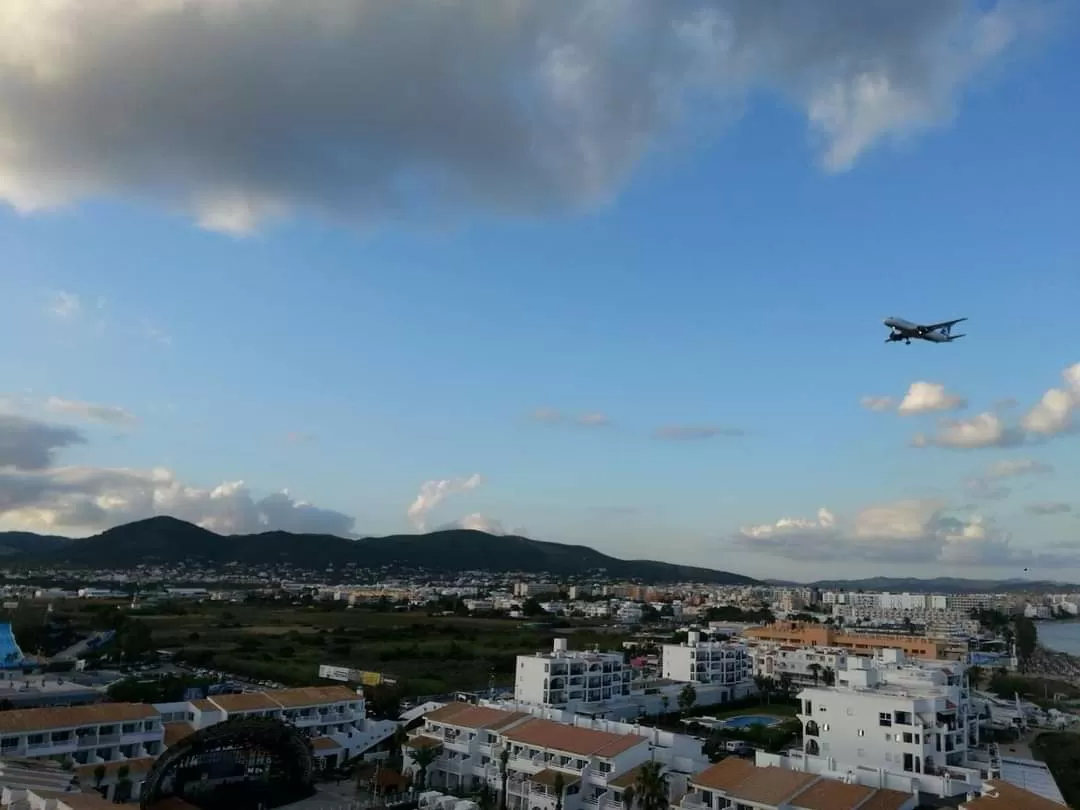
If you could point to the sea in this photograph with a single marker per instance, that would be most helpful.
(1061, 636)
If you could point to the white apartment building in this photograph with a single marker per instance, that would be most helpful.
(562, 676)
(334, 717)
(716, 663)
(891, 715)
(595, 765)
(804, 665)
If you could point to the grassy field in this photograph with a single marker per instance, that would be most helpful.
(426, 654)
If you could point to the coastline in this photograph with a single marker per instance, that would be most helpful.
(1051, 663)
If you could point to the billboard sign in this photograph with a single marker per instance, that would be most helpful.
(349, 675)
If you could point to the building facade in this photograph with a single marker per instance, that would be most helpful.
(889, 714)
(820, 635)
(804, 666)
(562, 676)
(715, 663)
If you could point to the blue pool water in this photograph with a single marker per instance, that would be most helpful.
(10, 654)
(747, 720)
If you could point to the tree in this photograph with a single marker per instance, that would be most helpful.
(785, 684)
(828, 676)
(424, 758)
(123, 784)
(687, 698)
(815, 672)
(975, 674)
(401, 736)
(531, 607)
(1027, 640)
(666, 702)
(651, 786)
(628, 797)
(99, 776)
(504, 758)
(558, 787)
(762, 684)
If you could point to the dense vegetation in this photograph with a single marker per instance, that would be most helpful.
(167, 541)
(424, 651)
(1061, 753)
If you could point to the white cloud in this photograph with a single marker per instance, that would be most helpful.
(694, 432)
(108, 414)
(1052, 416)
(434, 492)
(551, 416)
(924, 397)
(37, 496)
(414, 107)
(914, 531)
(65, 305)
(1012, 467)
(1049, 508)
(878, 403)
(980, 430)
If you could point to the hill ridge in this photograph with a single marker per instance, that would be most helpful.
(166, 540)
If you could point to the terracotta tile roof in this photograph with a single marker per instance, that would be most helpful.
(175, 732)
(465, 715)
(204, 705)
(313, 696)
(325, 744)
(1011, 797)
(139, 765)
(547, 777)
(727, 774)
(572, 739)
(245, 702)
(625, 779)
(888, 800)
(831, 794)
(772, 785)
(17, 720)
(422, 741)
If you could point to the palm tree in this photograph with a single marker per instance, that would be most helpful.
(828, 676)
(99, 776)
(760, 682)
(815, 672)
(628, 797)
(974, 674)
(424, 758)
(667, 702)
(558, 786)
(785, 684)
(504, 758)
(651, 786)
(401, 736)
(687, 698)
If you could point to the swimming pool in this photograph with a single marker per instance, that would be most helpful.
(747, 720)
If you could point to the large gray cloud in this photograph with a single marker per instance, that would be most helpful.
(363, 109)
(27, 444)
(37, 496)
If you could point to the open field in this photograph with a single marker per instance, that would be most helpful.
(426, 654)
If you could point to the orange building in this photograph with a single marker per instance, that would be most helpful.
(821, 635)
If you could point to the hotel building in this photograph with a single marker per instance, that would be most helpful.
(715, 663)
(561, 676)
(820, 635)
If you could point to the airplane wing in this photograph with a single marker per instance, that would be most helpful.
(946, 325)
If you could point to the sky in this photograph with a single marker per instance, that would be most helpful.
(606, 272)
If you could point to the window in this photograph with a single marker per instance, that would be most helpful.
(824, 726)
(862, 733)
(908, 737)
(885, 719)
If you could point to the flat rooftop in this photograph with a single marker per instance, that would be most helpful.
(1032, 776)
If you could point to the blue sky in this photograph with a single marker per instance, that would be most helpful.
(721, 279)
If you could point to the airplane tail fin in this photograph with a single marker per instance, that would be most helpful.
(955, 337)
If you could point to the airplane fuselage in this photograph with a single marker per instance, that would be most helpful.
(906, 331)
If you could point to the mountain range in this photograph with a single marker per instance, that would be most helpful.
(168, 541)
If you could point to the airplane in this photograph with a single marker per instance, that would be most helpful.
(934, 333)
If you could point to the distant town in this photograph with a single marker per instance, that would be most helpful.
(415, 688)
